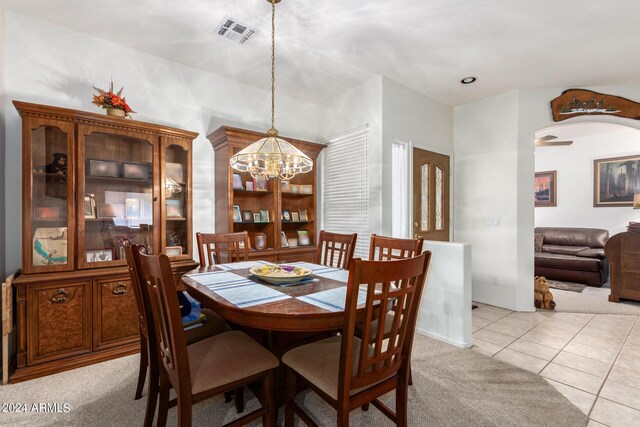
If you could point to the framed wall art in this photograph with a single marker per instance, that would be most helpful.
(616, 181)
(545, 189)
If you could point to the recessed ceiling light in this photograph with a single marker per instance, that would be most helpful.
(468, 80)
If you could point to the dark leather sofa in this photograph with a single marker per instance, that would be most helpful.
(573, 255)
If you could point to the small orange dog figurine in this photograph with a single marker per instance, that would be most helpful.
(543, 298)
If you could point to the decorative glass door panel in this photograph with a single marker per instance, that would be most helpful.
(116, 185)
(176, 160)
(49, 210)
(431, 195)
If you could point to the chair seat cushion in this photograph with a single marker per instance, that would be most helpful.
(213, 326)
(319, 363)
(225, 358)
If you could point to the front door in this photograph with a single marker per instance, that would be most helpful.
(430, 195)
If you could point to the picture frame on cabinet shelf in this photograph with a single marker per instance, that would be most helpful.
(264, 215)
(295, 217)
(174, 208)
(261, 241)
(100, 255)
(247, 216)
(284, 241)
(256, 217)
(111, 210)
(132, 170)
(293, 242)
(103, 168)
(303, 238)
(173, 251)
(295, 188)
(286, 215)
(46, 213)
(249, 186)
(90, 206)
(237, 182)
(237, 216)
(304, 217)
(261, 183)
(306, 189)
(285, 186)
(175, 172)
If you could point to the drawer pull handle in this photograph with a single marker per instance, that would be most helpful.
(59, 297)
(120, 289)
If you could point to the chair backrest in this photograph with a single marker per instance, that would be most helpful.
(335, 250)
(222, 248)
(170, 335)
(388, 248)
(395, 285)
(132, 254)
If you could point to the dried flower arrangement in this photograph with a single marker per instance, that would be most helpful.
(112, 102)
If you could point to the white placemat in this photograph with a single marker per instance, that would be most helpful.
(249, 294)
(241, 265)
(336, 274)
(332, 299)
(217, 278)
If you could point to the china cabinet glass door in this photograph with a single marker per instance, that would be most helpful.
(48, 213)
(116, 186)
(176, 161)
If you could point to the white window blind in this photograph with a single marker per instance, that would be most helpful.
(345, 187)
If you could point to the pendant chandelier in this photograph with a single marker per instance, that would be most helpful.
(272, 156)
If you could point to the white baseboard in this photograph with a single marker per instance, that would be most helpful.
(461, 344)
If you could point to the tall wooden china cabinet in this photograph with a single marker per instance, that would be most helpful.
(91, 183)
(282, 213)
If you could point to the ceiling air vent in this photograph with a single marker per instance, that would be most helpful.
(233, 30)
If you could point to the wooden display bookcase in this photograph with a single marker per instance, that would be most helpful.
(226, 142)
(91, 183)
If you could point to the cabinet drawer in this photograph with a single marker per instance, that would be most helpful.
(115, 317)
(59, 322)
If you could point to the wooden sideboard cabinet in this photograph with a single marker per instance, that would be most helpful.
(277, 197)
(91, 183)
(623, 252)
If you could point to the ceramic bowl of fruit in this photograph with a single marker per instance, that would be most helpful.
(280, 274)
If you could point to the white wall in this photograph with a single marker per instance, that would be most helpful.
(507, 250)
(361, 105)
(574, 166)
(53, 65)
(486, 169)
(411, 117)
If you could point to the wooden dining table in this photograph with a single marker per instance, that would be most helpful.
(286, 315)
(279, 325)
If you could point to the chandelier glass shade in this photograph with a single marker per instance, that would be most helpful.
(272, 156)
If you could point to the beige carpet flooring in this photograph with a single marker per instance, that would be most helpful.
(453, 387)
(592, 300)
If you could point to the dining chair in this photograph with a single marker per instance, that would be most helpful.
(335, 250)
(222, 247)
(349, 372)
(383, 248)
(148, 346)
(387, 248)
(209, 367)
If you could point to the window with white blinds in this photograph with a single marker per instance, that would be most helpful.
(345, 187)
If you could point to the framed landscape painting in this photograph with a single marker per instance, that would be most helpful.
(546, 186)
(616, 181)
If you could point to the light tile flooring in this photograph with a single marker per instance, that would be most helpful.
(592, 359)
